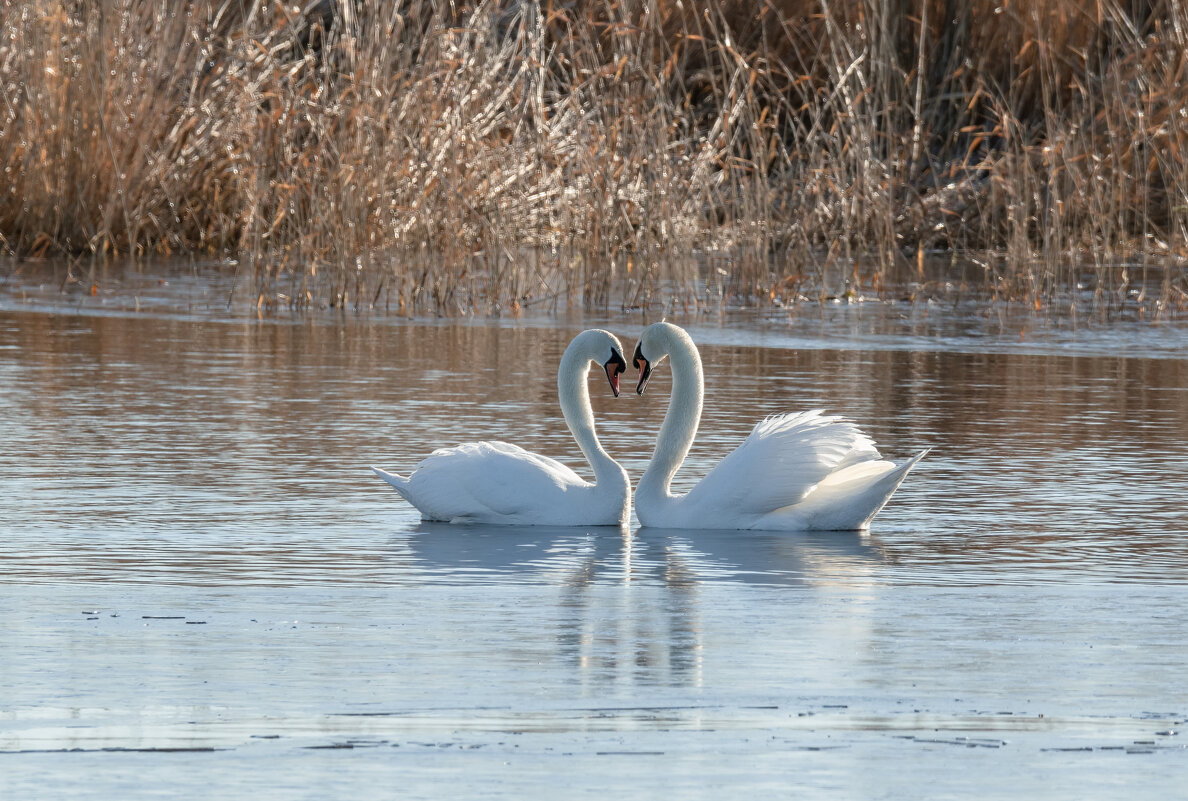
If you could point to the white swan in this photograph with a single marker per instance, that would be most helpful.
(503, 484)
(794, 472)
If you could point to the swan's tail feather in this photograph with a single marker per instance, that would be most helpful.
(398, 482)
(911, 462)
(866, 487)
(901, 470)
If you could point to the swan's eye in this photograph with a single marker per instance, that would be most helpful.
(615, 364)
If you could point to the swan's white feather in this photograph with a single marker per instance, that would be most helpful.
(782, 461)
(486, 481)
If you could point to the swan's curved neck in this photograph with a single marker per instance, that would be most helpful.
(575, 406)
(682, 418)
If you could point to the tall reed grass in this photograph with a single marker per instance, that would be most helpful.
(457, 156)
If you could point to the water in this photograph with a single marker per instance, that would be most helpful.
(205, 593)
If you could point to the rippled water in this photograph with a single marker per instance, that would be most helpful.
(205, 593)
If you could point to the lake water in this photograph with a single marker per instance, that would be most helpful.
(205, 593)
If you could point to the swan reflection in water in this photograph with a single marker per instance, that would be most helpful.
(576, 556)
(448, 553)
(618, 607)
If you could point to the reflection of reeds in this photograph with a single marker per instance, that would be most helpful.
(455, 156)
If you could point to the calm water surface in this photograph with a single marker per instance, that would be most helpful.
(206, 594)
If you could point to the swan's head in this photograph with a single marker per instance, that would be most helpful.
(602, 347)
(651, 349)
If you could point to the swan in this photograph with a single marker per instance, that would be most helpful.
(502, 484)
(794, 472)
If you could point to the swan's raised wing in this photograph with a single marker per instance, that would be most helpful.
(781, 461)
(479, 479)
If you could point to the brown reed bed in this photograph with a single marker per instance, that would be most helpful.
(429, 156)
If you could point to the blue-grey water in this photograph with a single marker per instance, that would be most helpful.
(205, 593)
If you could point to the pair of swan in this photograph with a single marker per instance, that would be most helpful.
(800, 472)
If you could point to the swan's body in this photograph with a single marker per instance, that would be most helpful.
(503, 484)
(794, 472)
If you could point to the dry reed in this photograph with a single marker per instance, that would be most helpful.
(455, 156)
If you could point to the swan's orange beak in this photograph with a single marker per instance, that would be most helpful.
(615, 366)
(645, 370)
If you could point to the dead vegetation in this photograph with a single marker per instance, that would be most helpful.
(456, 157)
